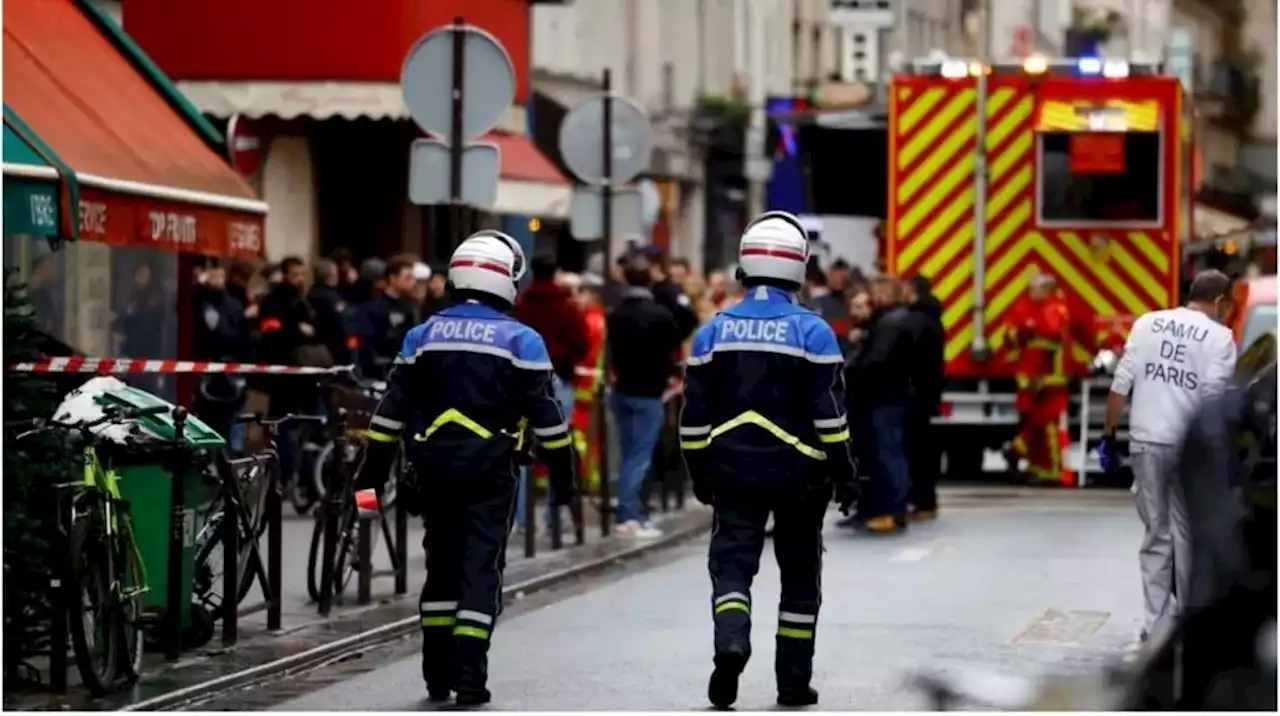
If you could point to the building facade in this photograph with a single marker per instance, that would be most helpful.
(315, 86)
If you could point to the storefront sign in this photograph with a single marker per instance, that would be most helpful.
(143, 222)
(30, 208)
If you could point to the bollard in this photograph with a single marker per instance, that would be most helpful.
(58, 613)
(402, 544)
(230, 553)
(275, 548)
(557, 541)
(177, 518)
(579, 519)
(335, 493)
(530, 514)
(364, 580)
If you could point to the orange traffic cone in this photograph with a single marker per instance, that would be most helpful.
(1068, 476)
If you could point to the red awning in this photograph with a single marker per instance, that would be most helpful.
(522, 161)
(531, 185)
(147, 175)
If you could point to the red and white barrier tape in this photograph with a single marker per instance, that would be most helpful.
(108, 366)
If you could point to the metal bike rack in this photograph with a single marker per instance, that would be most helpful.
(395, 548)
(234, 519)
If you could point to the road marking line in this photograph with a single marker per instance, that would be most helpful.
(914, 554)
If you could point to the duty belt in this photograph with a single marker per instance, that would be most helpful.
(453, 416)
(751, 417)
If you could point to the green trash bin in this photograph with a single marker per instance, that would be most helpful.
(147, 487)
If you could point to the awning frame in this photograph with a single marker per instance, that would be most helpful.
(58, 171)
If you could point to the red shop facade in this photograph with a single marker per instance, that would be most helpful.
(313, 85)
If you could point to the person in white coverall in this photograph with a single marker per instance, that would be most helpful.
(1173, 360)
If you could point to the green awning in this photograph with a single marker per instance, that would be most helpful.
(30, 189)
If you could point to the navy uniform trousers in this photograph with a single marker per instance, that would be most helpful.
(737, 541)
(466, 544)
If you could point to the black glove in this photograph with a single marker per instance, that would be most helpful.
(409, 492)
(700, 479)
(560, 475)
(374, 465)
(847, 494)
(562, 490)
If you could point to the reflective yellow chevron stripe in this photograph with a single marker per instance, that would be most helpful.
(557, 443)
(751, 417)
(381, 437)
(455, 416)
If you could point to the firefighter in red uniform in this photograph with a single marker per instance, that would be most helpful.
(587, 376)
(1040, 328)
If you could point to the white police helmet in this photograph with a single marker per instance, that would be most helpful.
(489, 262)
(774, 246)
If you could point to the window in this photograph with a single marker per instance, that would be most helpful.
(1100, 177)
(1260, 321)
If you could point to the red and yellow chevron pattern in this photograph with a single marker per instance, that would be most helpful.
(931, 216)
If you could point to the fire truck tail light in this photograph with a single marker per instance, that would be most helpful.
(1115, 68)
(945, 410)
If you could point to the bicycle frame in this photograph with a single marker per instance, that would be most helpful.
(105, 480)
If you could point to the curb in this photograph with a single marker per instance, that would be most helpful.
(403, 627)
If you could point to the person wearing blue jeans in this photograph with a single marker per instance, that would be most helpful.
(639, 423)
(564, 396)
(643, 340)
(890, 471)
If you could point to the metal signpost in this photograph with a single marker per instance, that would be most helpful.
(606, 141)
(458, 82)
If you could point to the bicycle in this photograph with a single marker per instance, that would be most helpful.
(104, 577)
(342, 515)
(254, 481)
(372, 391)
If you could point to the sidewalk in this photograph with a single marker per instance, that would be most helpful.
(302, 628)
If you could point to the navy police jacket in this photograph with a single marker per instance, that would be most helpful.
(764, 396)
(467, 389)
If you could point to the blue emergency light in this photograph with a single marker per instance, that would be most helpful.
(1089, 66)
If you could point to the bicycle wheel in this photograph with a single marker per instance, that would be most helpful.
(211, 565)
(91, 618)
(132, 592)
(353, 462)
(342, 569)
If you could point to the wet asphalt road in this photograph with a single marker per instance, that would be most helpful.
(1023, 584)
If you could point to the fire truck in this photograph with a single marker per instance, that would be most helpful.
(998, 172)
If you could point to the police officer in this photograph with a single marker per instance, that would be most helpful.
(464, 386)
(764, 431)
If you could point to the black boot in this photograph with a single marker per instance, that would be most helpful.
(722, 690)
(807, 696)
(469, 697)
(438, 696)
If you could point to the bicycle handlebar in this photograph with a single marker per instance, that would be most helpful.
(266, 422)
(110, 415)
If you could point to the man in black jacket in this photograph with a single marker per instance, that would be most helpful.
(669, 294)
(882, 372)
(643, 337)
(929, 338)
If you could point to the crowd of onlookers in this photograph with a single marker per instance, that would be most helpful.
(891, 333)
(337, 312)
